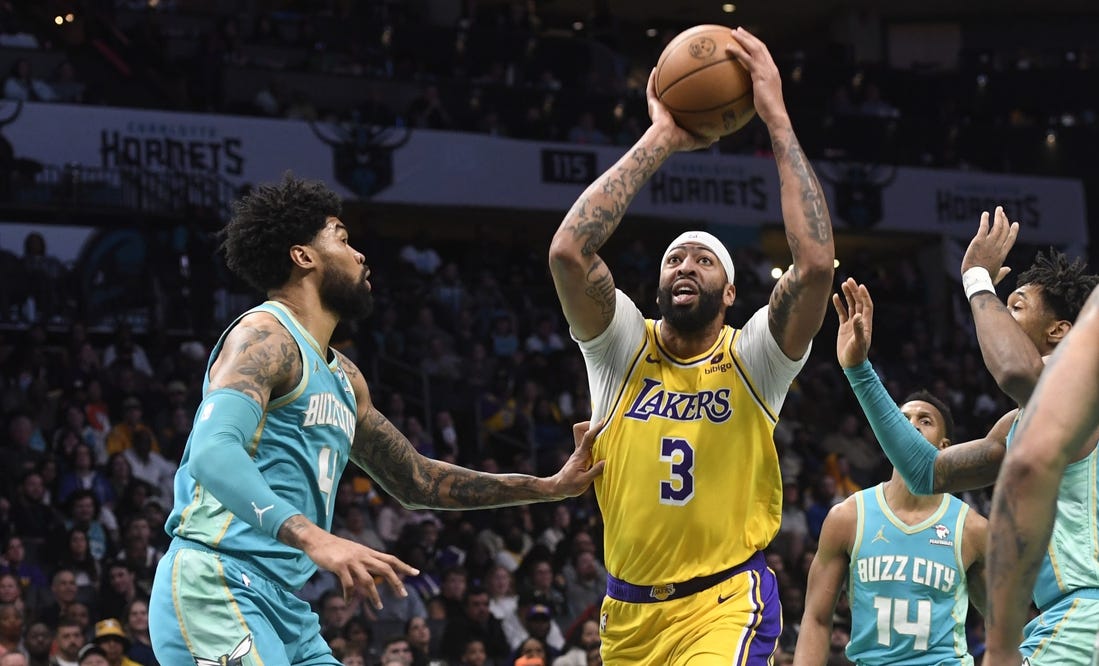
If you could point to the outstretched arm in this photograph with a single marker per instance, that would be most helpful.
(973, 464)
(418, 482)
(1060, 420)
(1009, 354)
(800, 299)
(584, 283)
(925, 468)
(826, 575)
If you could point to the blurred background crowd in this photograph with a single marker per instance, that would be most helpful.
(467, 352)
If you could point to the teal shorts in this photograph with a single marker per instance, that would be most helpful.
(208, 608)
(1064, 635)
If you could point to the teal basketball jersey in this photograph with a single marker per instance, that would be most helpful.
(300, 447)
(1071, 561)
(907, 585)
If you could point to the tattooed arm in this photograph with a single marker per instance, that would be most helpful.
(974, 464)
(418, 482)
(801, 297)
(584, 283)
(1058, 424)
(258, 359)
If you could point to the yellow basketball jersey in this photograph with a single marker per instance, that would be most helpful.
(692, 483)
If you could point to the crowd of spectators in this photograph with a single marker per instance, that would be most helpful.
(501, 68)
(467, 355)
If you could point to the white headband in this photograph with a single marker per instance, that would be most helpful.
(708, 241)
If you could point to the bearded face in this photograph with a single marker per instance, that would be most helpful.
(349, 297)
(687, 306)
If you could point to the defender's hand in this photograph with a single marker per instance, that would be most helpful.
(990, 246)
(576, 475)
(356, 566)
(856, 323)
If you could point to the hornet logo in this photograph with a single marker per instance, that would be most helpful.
(858, 186)
(942, 536)
(234, 658)
(363, 154)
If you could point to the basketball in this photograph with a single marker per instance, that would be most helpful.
(707, 91)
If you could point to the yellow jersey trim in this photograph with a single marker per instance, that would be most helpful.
(654, 326)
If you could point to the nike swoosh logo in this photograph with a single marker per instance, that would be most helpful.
(651, 359)
(721, 599)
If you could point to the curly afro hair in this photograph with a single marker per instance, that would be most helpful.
(1065, 285)
(268, 221)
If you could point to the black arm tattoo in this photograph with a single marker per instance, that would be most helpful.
(783, 299)
(817, 219)
(593, 223)
(988, 300)
(809, 235)
(263, 360)
(293, 530)
(968, 467)
(1008, 548)
(601, 288)
(419, 482)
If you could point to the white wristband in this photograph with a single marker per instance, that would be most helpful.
(976, 280)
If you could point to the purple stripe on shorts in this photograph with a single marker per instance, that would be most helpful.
(767, 614)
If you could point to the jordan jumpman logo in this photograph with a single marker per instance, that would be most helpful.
(260, 512)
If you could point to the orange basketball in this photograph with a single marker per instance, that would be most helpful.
(707, 91)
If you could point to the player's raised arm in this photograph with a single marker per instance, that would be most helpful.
(418, 482)
(1009, 354)
(800, 298)
(826, 576)
(583, 281)
(925, 469)
(1060, 420)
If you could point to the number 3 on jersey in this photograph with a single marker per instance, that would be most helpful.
(680, 488)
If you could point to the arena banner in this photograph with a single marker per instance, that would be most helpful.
(473, 169)
(950, 203)
(424, 167)
(236, 148)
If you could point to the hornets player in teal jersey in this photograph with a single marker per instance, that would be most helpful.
(1015, 339)
(913, 563)
(1061, 418)
(282, 414)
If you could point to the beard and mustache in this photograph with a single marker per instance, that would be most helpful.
(347, 297)
(693, 318)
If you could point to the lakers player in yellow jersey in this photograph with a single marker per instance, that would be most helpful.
(691, 490)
